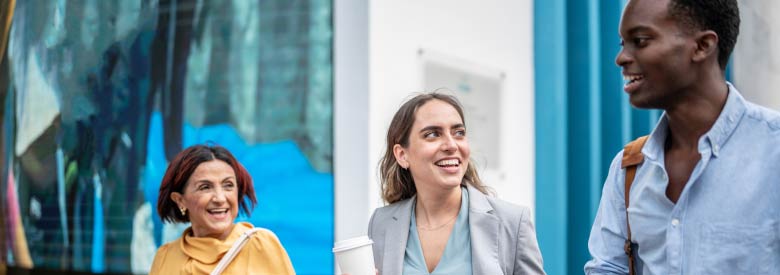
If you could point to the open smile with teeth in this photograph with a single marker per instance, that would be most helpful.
(628, 79)
(448, 163)
(632, 82)
(218, 211)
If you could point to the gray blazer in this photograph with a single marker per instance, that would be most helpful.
(503, 240)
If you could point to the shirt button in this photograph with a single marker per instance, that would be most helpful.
(716, 148)
(675, 222)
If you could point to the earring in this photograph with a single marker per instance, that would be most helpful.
(183, 211)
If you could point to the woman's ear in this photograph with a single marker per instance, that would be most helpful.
(706, 45)
(178, 199)
(400, 156)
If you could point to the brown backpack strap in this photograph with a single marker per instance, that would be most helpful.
(632, 157)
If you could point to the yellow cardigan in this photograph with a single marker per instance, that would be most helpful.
(263, 254)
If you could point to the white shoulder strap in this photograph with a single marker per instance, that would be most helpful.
(237, 245)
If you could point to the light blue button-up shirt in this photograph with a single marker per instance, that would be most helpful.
(726, 220)
(456, 259)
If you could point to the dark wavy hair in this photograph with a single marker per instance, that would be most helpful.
(720, 16)
(397, 183)
(182, 167)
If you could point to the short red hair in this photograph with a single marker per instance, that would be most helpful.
(182, 167)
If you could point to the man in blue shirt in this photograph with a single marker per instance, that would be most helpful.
(706, 199)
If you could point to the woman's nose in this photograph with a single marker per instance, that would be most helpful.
(219, 196)
(448, 143)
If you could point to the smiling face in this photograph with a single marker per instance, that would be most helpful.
(210, 197)
(656, 56)
(438, 151)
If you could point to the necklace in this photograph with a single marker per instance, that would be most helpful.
(434, 228)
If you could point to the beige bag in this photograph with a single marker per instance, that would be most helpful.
(237, 245)
(632, 157)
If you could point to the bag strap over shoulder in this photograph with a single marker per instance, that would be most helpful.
(632, 157)
(237, 245)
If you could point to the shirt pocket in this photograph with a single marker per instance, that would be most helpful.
(739, 249)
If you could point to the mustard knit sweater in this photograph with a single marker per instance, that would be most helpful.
(262, 254)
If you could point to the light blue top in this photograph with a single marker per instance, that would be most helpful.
(726, 219)
(457, 254)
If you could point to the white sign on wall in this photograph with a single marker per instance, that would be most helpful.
(479, 90)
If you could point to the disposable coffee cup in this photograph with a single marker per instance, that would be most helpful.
(355, 256)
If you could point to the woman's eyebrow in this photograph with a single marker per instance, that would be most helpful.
(430, 128)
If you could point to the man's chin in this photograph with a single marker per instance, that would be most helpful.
(639, 102)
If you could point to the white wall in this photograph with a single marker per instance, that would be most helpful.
(350, 118)
(756, 57)
(494, 33)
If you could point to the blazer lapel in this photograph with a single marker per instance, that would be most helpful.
(484, 227)
(396, 235)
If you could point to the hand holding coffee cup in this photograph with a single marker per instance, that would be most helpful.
(355, 256)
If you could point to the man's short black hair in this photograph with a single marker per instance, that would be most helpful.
(720, 16)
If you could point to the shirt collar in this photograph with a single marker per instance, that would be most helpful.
(727, 121)
(714, 139)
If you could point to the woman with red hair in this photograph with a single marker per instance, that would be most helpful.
(205, 185)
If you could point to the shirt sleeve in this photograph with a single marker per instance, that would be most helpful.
(377, 243)
(528, 258)
(371, 226)
(608, 234)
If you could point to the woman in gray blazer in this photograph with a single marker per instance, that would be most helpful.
(440, 219)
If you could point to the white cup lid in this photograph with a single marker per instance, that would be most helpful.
(351, 243)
